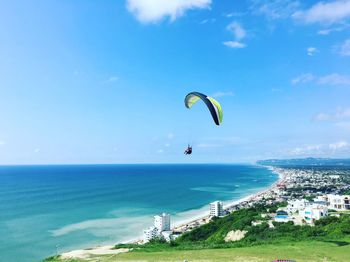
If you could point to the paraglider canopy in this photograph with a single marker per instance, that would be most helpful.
(213, 105)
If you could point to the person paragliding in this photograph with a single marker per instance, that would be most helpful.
(188, 150)
(214, 107)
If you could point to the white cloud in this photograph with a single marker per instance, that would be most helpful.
(344, 49)
(167, 144)
(152, 11)
(306, 150)
(339, 145)
(237, 30)
(321, 117)
(234, 44)
(205, 21)
(311, 51)
(319, 150)
(333, 29)
(234, 14)
(340, 114)
(304, 78)
(325, 12)
(238, 33)
(274, 9)
(340, 118)
(343, 125)
(110, 80)
(325, 31)
(36, 150)
(171, 135)
(334, 79)
(221, 94)
(2, 142)
(160, 151)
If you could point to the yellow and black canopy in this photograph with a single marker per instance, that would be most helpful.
(213, 105)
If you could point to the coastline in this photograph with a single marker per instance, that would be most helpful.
(231, 205)
(181, 226)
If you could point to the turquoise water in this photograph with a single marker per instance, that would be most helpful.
(68, 207)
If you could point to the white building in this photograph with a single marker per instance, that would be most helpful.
(295, 206)
(321, 198)
(216, 209)
(339, 202)
(162, 222)
(167, 235)
(161, 228)
(149, 234)
(314, 212)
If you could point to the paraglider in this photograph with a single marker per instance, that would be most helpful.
(214, 107)
(188, 150)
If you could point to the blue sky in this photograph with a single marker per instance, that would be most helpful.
(92, 82)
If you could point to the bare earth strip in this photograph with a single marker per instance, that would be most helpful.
(86, 253)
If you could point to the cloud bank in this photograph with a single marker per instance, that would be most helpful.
(152, 11)
(274, 9)
(340, 114)
(333, 79)
(325, 12)
(320, 150)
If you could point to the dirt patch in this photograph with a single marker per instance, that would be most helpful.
(235, 235)
(86, 253)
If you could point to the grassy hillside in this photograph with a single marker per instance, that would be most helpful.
(311, 251)
(328, 240)
(302, 251)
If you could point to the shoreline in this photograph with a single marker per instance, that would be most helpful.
(230, 205)
(181, 226)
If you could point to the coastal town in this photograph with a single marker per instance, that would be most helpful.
(309, 194)
(304, 195)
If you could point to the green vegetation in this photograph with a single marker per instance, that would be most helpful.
(212, 235)
(53, 258)
(260, 242)
(309, 198)
(300, 251)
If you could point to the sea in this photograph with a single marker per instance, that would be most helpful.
(46, 210)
